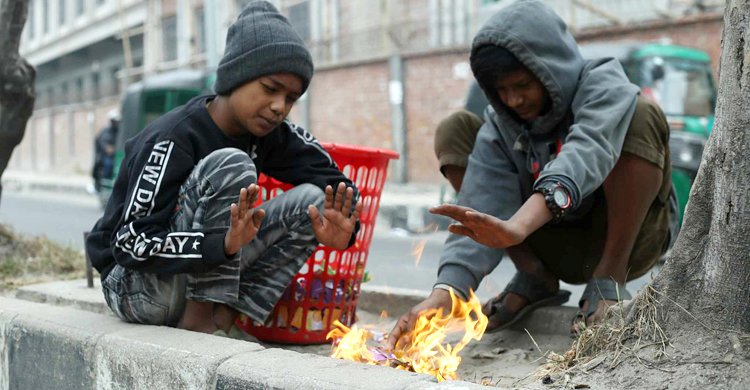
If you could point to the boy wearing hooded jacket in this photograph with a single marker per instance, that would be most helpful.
(172, 248)
(569, 174)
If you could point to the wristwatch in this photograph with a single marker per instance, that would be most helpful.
(557, 198)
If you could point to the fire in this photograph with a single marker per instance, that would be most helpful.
(417, 252)
(422, 350)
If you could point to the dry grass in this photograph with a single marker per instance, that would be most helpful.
(26, 260)
(613, 341)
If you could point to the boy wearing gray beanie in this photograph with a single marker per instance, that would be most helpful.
(171, 248)
(259, 43)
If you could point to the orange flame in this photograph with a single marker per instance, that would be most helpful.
(424, 349)
(418, 251)
(352, 343)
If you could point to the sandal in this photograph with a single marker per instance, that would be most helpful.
(598, 289)
(528, 286)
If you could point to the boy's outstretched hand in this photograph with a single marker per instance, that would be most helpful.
(334, 227)
(482, 228)
(439, 298)
(245, 221)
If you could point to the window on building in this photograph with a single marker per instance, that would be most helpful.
(200, 30)
(50, 97)
(450, 21)
(30, 22)
(94, 93)
(61, 12)
(115, 81)
(63, 93)
(79, 90)
(80, 7)
(44, 97)
(169, 38)
(299, 17)
(45, 17)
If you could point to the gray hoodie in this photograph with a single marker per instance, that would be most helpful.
(592, 103)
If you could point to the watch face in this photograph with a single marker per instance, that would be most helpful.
(561, 198)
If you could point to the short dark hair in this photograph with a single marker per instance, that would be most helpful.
(491, 62)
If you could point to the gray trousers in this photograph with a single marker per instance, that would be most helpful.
(252, 281)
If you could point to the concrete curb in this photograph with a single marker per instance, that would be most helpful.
(72, 184)
(44, 346)
(372, 299)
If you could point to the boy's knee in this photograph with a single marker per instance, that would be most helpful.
(310, 194)
(454, 138)
(227, 167)
(648, 134)
(229, 157)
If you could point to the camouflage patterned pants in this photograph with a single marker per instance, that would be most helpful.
(252, 281)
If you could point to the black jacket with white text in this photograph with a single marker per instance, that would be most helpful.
(135, 228)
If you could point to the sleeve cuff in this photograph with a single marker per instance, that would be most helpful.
(449, 288)
(565, 182)
(457, 277)
(213, 250)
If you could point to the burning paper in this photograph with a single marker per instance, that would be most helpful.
(422, 350)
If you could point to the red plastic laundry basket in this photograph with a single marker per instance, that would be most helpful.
(328, 285)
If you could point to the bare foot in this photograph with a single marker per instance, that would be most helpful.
(595, 318)
(207, 317)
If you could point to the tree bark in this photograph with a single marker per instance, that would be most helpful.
(708, 272)
(16, 80)
(691, 328)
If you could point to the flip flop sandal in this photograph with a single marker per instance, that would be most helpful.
(598, 289)
(528, 286)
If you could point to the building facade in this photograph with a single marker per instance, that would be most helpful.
(387, 71)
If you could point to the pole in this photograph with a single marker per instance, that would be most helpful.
(398, 115)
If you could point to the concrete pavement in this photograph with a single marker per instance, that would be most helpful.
(73, 342)
(65, 318)
(47, 347)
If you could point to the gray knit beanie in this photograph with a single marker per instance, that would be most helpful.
(261, 42)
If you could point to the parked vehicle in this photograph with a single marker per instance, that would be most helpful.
(680, 80)
(148, 99)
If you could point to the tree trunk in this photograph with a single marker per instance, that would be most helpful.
(692, 329)
(16, 80)
(708, 273)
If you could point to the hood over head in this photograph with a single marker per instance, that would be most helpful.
(540, 40)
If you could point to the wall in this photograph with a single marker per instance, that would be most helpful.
(436, 85)
(60, 139)
(349, 104)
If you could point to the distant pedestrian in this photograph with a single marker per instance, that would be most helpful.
(104, 150)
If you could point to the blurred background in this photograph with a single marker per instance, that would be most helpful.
(374, 59)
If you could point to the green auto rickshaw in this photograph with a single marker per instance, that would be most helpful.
(680, 80)
(148, 99)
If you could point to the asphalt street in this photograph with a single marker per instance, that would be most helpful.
(394, 259)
